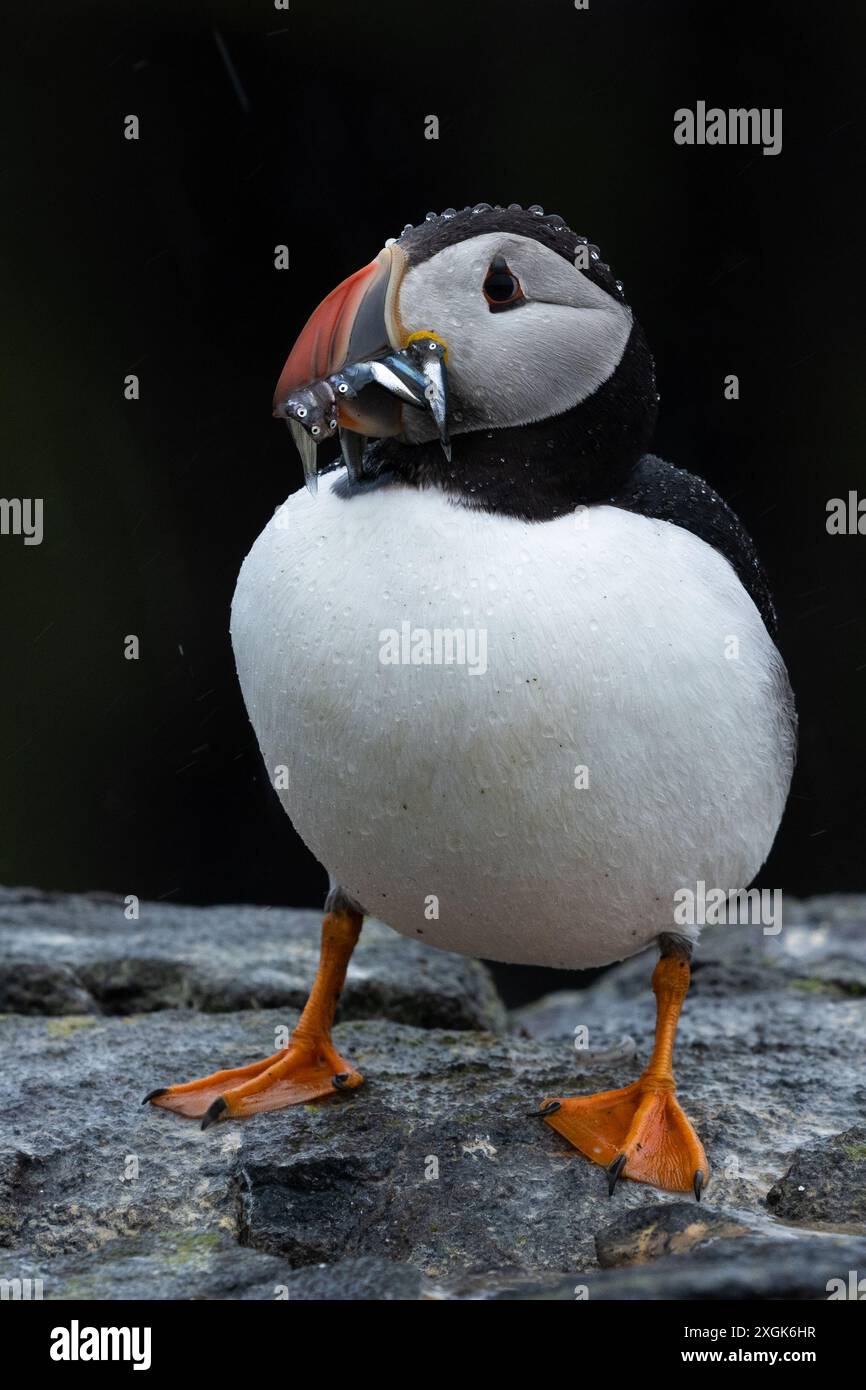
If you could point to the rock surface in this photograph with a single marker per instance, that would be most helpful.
(74, 954)
(435, 1180)
(645, 1233)
(826, 1182)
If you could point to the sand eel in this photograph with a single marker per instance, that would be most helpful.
(521, 672)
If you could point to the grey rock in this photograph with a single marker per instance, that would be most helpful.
(173, 1265)
(76, 953)
(551, 1016)
(435, 1179)
(645, 1233)
(83, 1162)
(737, 1269)
(825, 1183)
(368, 1279)
(202, 1266)
(36, 987)
(210, 1265)
(822, 942)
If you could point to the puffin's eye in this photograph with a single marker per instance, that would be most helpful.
(502, 288)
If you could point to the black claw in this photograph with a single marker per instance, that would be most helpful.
(152, 1095)
(614, 1173)
(219, 1105)
(339, 1081)
(699, 1182)
(549, 1109)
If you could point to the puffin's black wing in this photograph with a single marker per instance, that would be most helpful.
(658, 489)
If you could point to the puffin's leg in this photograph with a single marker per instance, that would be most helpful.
(310, 1066)
(640, 1132)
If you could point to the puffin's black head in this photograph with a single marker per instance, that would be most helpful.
(497, 328)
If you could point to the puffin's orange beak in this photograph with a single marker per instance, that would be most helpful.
(351, 368)
(355, 322)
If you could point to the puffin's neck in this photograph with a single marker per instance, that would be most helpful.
(542, 470)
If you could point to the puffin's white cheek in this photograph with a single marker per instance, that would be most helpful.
(528, 364)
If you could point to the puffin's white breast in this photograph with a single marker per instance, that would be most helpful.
(449, 798)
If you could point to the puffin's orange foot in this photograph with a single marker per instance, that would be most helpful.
(301, 1072)
(639, 1132)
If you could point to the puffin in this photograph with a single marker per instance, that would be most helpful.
(513, 677)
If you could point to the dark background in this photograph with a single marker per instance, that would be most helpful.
(306, 127)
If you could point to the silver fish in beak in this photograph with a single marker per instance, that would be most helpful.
(353, 370)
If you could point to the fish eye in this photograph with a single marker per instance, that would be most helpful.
(502, 289)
